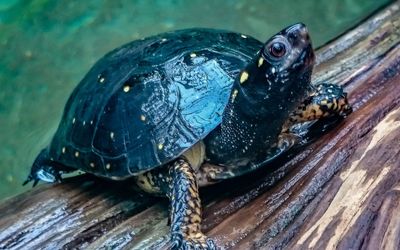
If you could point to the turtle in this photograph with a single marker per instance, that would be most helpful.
(189, 108)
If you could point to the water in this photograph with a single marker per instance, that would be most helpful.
(47, 46)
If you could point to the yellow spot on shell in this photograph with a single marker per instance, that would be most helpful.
(160, 146)
(108, 166)
(260, 61)
(92, 164)
(243, 36)
(126, 88)
(143, 118)
(324, 102)
(76, 154)
(244, 76)
(63, 150)
(193, 55)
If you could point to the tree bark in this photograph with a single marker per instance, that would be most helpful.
(342, 191)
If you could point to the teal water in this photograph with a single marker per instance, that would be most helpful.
(47, 46)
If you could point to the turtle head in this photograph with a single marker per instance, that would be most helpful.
(279, 76)
(287, 59)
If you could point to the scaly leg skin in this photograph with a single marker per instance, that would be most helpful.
(44, 169)
(178, 182)
(186, 209)
(328, 100)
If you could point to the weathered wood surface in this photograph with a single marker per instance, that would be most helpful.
(342, 191)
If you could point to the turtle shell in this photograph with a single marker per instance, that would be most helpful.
(143, 104)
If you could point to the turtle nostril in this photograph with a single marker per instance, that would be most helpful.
(304, 33)
(298, 33)
(301, 31)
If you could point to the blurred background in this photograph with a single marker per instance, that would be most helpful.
(46, 47)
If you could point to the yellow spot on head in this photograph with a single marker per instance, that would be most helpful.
(192, 55)
(143, 118)
(244, 76)
(91, 164)
(243, 36)
(108, 166)
(260, 61)
(76, 154)
(127, 88)
(63, 150)
(160, 146)
(324, 102)
(112, 135)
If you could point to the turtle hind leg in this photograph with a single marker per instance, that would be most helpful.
(186, 208)
(44, 169)
(178, 181)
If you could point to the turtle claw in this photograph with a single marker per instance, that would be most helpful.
(29, 179)
(35, 182)
(198, 242)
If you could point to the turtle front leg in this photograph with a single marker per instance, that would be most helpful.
(185, 211)
(327, 100)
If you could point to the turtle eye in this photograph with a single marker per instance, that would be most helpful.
(277, 49)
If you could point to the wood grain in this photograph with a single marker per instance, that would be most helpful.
(342, 191)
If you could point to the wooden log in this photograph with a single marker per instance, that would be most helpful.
(342, 191)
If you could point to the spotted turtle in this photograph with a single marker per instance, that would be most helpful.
(155, 110)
